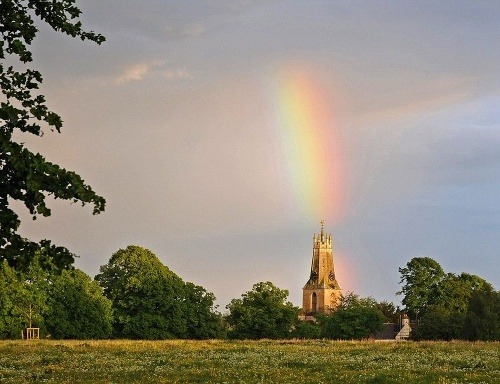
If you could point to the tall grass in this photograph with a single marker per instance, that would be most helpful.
(265, 361)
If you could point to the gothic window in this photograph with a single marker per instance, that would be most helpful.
(314, 276)
(331, 276)
(314, 302)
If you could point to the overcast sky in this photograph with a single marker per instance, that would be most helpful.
(181, 120)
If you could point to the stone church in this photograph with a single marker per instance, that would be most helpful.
(322, 291)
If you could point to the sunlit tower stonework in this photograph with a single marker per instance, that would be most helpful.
(322, 291)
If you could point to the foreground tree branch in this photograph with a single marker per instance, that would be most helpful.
(26, 176)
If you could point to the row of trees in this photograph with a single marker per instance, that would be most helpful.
(151, 302)
(447, 305)
(68, 304)
(264, 312)
(135, 296)
(354, 318)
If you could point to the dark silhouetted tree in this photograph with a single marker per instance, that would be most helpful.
(307, 330)
(26, 176)
(482, 321)
(439, 323)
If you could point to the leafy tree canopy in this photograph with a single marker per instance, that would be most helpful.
(389, 310)
(355, 318)
(449, 306)
(152, 302)
(482, 321)
(352, 300)
(26, 176)
(64, 305)
(461, 307)
(12, 294)
(454, 291)
(77, 309)
(420, 276)
(202, 319)
(263, 312)
(146, 295)
(307, 330)
(23, 298)
(439, 323)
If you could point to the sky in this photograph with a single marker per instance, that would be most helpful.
(222, 132)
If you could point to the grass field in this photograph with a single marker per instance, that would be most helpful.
(248, 362)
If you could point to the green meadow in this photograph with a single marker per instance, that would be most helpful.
(265, 361)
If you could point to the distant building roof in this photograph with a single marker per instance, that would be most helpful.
(388, 332)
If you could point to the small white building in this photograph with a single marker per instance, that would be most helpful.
(404, 332)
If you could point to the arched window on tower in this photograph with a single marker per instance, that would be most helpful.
(314, 302)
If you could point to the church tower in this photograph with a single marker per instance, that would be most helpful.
(322, 291)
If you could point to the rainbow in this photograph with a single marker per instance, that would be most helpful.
(309, 143)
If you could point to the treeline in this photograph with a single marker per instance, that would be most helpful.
(449, 306)
(135, 296)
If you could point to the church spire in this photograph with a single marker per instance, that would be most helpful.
(322, 291)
